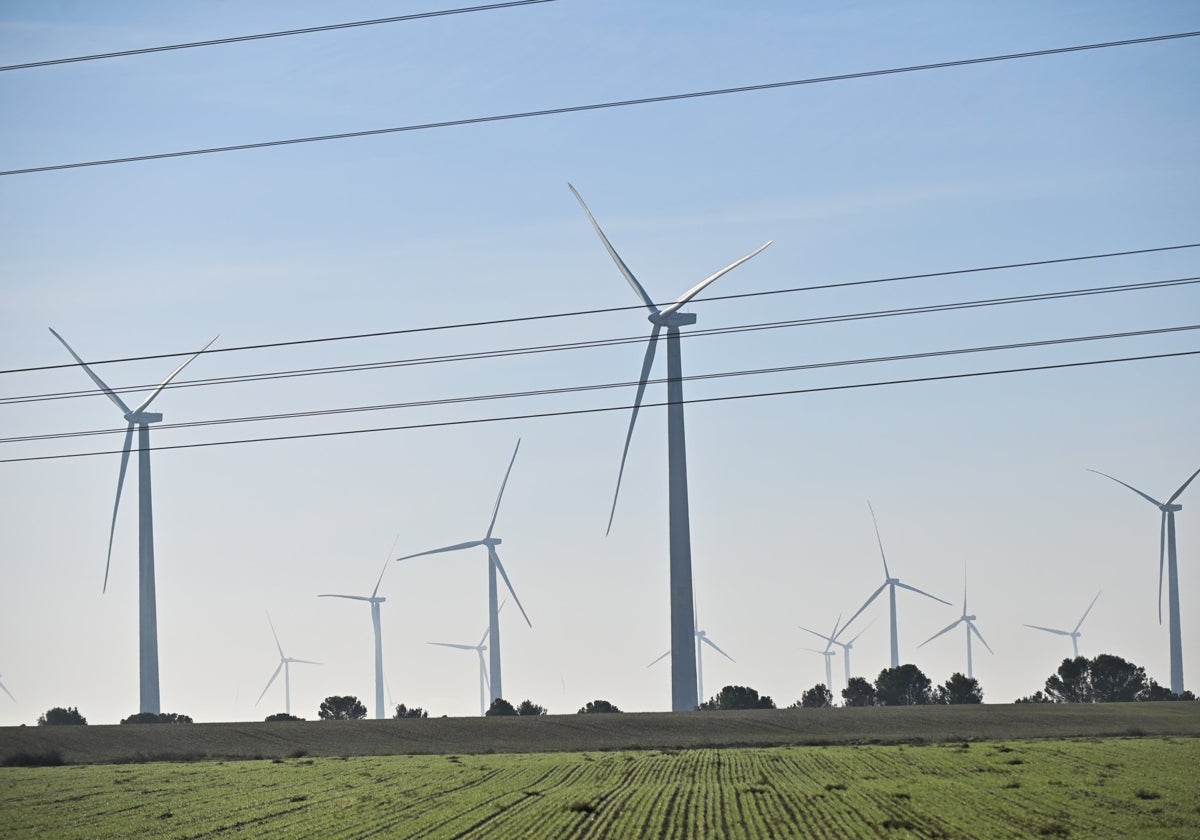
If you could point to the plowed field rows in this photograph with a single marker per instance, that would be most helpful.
(1097, 788)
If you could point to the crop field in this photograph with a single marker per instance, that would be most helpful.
(1117, 787)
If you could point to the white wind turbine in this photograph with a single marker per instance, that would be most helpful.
(9, 693)
(285, 663)
(845, 646)
(494, 565)
(147, 609)
(374, 600)
(828, 652)
(684, 685)
(484, 683)
(889, 583)
(1074, 634)
(969, 621)
(1166, 544)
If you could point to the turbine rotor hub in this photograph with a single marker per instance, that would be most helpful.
(674, 319)
(493, 541)
(144, 418)
(1171, 508)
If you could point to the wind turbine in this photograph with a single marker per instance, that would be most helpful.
(701, 639)
(1166, 540)
(285, 663)
(494, 565)
(9, 693)
(845, 646)
(484, 683)
(1074, 634)
(374, 600)
(828, 652)
(147, 610)
(889, 583)
(684, 685)
(969, 621)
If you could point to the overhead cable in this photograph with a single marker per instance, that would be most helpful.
(621, 103)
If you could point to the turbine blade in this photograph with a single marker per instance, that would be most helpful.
(922, 592)
(351, 597)
(879, 540)
(874, 595)
(1085, 612)
(303, 662)
(146, 402)
(979, 636)
(659, 659)
(1049, 630)
(451, 645)
(108, 392)
(112, 529)
(1149, 499)
(495, 558)
(1182, 487)
(442, 550)
(818, 635)
(713, 645)
(1162, 552)
(386, 563)
(612, 252)
(9, 693)
(276, 635)
(647, 364)
(278, 668)
(943, 631)
(855, 639)
(500, 495)
(703, 284)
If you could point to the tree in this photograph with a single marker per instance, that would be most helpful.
(817, 697)
(531, 709)
(1036, 697)
(342, 708)
(403, 711)
(958, 690)
(500, 708)
(859, 692)
(737, 697)
(58, 716)
(903, 686)
(162, 717)
(599, 707)
(281, 716)
(1105, 679)
(1070, 684)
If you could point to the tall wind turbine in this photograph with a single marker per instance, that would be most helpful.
(845, 646)
(1166, 541)
(889, 583)
(1074, 634)
(9, 693)
(285, 663)
(494, 565)
(484, 683)
(969, 621)
(828, 652)
(684, 686)
(701, 639)
(374, 600)
(147, 610)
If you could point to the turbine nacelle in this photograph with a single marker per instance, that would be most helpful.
(1170, 508)
(671, 319)
(143, 417)
(492, 541)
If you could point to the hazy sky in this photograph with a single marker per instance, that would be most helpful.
(1059, 156)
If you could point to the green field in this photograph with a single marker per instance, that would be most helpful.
(1115, 787)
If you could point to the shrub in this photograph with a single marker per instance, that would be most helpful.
(403, 711)
(500, 708)
(58, 716)
(599, 707)
(346, 707)
(162, 717)
(737, 697)
(529, 708)
(281, 716)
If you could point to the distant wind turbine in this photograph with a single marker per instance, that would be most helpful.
(701, 639)
(889, 583)
(969, 621)
(147, 609)
(684, 678)
(9, 693)
(828, 652)
(494, 565)
(845, 646)
(1074, 634)
(374, 600)
(285, 663)
(484, 683)
(1166, 544)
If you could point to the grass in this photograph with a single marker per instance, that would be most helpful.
(1104, 787)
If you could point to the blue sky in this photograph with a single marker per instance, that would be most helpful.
(1014, 161)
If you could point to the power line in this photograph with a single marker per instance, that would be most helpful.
(281, 34)
(589, 344)
(622, 103)
(604, 409)
(575, 389)
(580, 312)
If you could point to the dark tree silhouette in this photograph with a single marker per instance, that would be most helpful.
(1036, 697)
(903, 686)
(403, 711)
(959, 689)
(817, 697)
(1105, 679)
(162, 717)
(530, 709)
(500, 708)
(342, 708)
(737, 697)
(599, 707)
(1070, 684)
(280, 716)
(58, 716)
(859, 692)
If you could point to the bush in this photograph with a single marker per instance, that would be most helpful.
(500, 708)
(903, 686)
(58, 716)
(599, 707)
(403, 711)
(737, 697)
(346, 707)
(280, 716)
(1105, 679)
(162, 717)
(958, 690)
(858, 692)
(817, 697)
(529, 708)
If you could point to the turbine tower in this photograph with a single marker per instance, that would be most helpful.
(701, 639)
(889, 583)
(1166, 543)
(9, 693)
(969, 621)
(374, 600)
(684, 685)
(845, 646)
(147, 610)
(285, 663)
(494, 565)
(1074, 634)
(484, 683)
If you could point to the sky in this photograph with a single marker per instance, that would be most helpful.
(980, 479)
